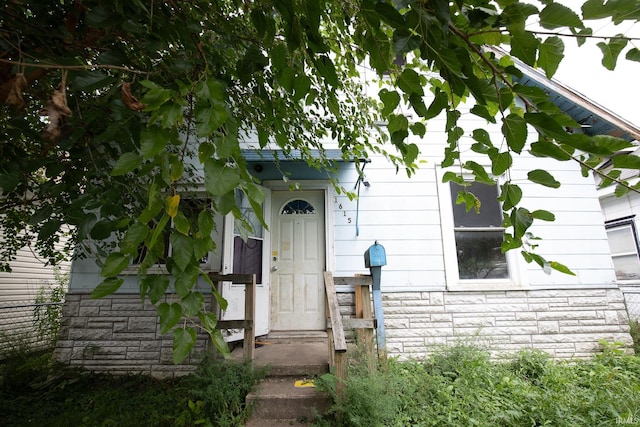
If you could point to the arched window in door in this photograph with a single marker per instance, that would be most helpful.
(298, 207)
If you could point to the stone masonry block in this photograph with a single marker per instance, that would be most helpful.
(436, 298)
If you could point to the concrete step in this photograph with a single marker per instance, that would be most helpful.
(280, 399)
(275, 423)
(293, 337)
(304, 360)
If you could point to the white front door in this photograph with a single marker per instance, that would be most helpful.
(297, 260)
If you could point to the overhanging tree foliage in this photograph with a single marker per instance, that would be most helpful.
(113, 111)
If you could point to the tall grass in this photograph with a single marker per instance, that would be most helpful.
(463, 386)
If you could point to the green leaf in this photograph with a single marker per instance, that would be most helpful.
(389, 14)
(390, 99)
(542, 177)
(186, 280)
(439, 103)
(514, 129)
(500, 163)
(114, 264)
(205, 222)
(543, 215)
(479, 172)
(222, 303)
(633, 54)
(208, 321)
(418, 129)
(397, 122)
(546, 125)
(192, 303)
(126, 163)
(89, 81)
(183, 341)
(555, 15)
(327, 70)
(409, 82)
(210, 118)
(611, 51)
(153, 139)
(561, 268)
(219, 178)
(156, 286)
(135, 235)
(549, 149)
(521, 220)
(107, 287)
(524, 46)
(219, 343)
(510, 196)
(181, 223)
(181, 249)
(169, 315)
(155, 97)
(551, 53)
(626, 161)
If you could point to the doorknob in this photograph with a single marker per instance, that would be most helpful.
(274, 268)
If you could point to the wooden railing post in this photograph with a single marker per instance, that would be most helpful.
(249, 316)
(248, 323)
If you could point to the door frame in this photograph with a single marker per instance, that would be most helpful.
(329, 194)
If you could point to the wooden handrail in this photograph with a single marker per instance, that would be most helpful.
(248, 323)
(339, 341)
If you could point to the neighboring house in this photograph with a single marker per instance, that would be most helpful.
(29, 279)
(621, 215)
(445, 280)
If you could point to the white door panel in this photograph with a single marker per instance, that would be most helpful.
(298, 260)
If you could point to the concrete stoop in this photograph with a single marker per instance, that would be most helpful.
(278, 399)
(286, 397)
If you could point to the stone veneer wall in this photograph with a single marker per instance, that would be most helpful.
(563, 323)
(118, 334)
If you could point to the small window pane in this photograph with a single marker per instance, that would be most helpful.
(248, 215)
(627, 267)
(298, 207)
(621, 239)
(480, 256)
(490, 214)
(247, 257)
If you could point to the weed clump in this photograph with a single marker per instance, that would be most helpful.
(464, 386)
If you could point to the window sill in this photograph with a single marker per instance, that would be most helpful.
(484, 286)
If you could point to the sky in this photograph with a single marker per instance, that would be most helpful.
(582, 69)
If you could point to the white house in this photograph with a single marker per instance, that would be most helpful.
(444, 280)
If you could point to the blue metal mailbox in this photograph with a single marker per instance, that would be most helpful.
(375, 256)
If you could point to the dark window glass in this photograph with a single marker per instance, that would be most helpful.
(479, 235)
(490, 214)
(298, 207)
(480, 256)
(247, 257)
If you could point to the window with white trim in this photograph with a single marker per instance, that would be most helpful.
(623, 242)
(472, 240)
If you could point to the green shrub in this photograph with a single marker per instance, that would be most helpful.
(34, 392)
(218, 388)
(463, 386)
